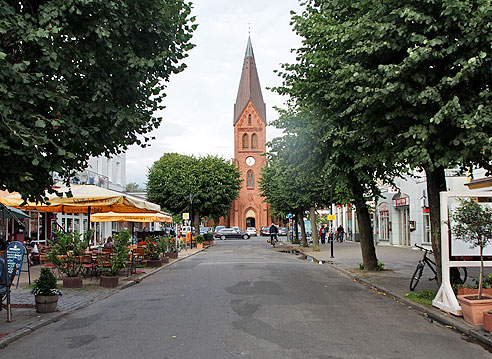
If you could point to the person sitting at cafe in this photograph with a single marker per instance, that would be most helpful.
(109, 243)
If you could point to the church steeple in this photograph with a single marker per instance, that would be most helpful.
(249, 87)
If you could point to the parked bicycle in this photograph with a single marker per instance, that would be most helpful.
(432, 265)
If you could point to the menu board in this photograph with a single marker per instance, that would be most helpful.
(15, 255)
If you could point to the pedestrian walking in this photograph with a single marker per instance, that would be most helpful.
(322, 234)
(273, 234)
(340, 233)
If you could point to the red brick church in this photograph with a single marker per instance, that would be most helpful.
(249, 210)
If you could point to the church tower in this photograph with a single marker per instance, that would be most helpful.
(249, 210)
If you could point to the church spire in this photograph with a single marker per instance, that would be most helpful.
(249, 86)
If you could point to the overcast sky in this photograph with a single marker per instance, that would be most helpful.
(200, 101)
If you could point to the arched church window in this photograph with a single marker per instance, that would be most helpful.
(245, 141)
(251, 182)
(254, 141)
(249, 119)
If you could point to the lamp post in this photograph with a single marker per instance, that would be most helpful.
(191, 219)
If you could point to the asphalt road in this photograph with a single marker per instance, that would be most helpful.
(242, 299)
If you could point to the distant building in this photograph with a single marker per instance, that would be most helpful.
(249, 122)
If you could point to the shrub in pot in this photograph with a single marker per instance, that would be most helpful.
(117, 262)
(474, 225)
(199, 241)
(66, 253)
(152, 251)
(172, 250)
(46, 292)
(162, 244)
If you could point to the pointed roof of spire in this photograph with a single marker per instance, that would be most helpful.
(249, 86)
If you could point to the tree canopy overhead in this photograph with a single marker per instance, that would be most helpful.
(82, 78)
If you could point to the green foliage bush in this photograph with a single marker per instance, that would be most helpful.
(67, 250)
(200, 238)
(379, 267)
(118, 260)
(45, 284)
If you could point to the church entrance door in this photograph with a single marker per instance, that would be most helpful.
(250, 222)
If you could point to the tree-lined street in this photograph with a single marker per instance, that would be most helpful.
(242, 299)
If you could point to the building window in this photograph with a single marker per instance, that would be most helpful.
(249, 119)
(245, 141)
(254, 141)
(250, 179)
(427, 228)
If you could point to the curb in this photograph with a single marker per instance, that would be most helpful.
(5, 341)
(435, 315)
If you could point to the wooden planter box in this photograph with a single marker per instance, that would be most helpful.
(154, 263)
(165, 259)
(172, 255)
(108, 281)
(72, 282)
(46, 303)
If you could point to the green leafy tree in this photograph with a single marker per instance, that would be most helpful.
(414, 76)
(473, 225)
(80, 79)
(133, 187)
(213, 181)
(67, 250)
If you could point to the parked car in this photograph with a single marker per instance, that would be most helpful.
(217, 229)
(229, 233)
(282, 231)
(251, 231)
(236, 229)
(265, 231)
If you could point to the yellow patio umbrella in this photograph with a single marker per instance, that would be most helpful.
(131, 217)
(84, 199)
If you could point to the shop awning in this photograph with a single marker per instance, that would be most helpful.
(131, 217)
(79, 198)
(7, 212)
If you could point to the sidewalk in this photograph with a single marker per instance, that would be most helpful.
(394, 281)
(25, 319)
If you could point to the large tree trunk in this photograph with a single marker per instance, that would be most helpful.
(369, 259)
(314, 229)
(303, 230)
(196, 222)
(296, 230)
(436, 183)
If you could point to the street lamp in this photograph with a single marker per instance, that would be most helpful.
(191, 219)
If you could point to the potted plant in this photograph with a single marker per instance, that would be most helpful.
(487, 321)
(172, 251)
(46, 292)
(117, 261)
(473, 289)
(474, 225)
(66, 253)
(152, 252)
(199, 241)
(162, 243)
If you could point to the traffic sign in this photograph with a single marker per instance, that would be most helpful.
(332, 217)
(186, 216)
(289, 215)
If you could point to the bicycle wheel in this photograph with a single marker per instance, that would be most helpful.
(463, 274)
(416, 276)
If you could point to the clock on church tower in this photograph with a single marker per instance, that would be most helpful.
(249, 210)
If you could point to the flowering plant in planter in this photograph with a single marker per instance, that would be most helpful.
(152, 250)
(473, 225)
(200, 238)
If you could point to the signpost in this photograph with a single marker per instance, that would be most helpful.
(15, 256)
